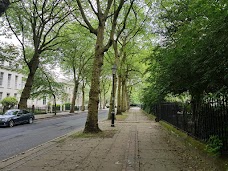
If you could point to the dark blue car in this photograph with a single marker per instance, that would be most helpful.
(16, 116)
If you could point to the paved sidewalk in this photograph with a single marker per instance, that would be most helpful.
(137, 145)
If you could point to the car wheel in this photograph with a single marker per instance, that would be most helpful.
(11, 123)
(30, 121)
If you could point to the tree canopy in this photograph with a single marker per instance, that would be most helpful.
(193, 54)
(160, 48)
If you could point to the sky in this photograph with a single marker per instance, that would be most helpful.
(12, 40)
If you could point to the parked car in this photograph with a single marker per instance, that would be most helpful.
(16, 116)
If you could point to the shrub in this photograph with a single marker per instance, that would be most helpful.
(214, 145)
(67, 106)
(8, 103)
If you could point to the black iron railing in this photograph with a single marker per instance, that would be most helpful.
(209, 118)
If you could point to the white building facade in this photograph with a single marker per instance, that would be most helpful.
(13, 82)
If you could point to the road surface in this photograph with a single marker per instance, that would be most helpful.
(23, 137)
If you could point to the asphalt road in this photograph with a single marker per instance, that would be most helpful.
(23, 137)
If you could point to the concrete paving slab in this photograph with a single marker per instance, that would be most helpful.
(139, 144)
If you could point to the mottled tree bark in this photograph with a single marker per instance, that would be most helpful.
(102, 15)
(92, 118)
(74, 96)
(100, 101)
(119, 99)
(33, 65)
(76, 83)
(83, 96)
(123, 95)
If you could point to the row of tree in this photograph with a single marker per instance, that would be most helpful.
(192, 56)
(76, 35)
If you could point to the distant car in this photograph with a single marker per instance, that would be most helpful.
(16, 116)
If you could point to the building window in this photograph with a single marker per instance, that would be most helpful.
(15, 95)
(1, 78)
(16, 80)
(9, 80)
(1, 62)
(0, 95)
(8, 94)
(22, 83)
(10, 63)
(44, 100)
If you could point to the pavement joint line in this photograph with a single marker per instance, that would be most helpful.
(23, 155)
(34, 155)
(136, 141)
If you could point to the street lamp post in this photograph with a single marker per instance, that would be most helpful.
(114, 68)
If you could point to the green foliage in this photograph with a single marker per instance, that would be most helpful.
(9, 102)
(192, 56)
(67, 104)
(45, 84)
(214, 145)
(3, 6)
(180, 98)
(57, 107)
(38, 112)
(76, 51)
(9, 52)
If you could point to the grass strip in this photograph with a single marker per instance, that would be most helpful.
(102, 134)
(222, 161)
(121, 117)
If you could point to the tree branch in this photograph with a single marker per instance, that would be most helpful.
(14, 32)
(91, 5)
(92, 30)
(114, 23)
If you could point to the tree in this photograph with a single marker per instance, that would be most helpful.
(192, 56)
(36, 24)
(132, 28)
(76, 55)
(196, 48)
(4, 4)
(45, 84)
(105, 83)
(103, 12)
(8, 103)
(105, 87)
(9, 52)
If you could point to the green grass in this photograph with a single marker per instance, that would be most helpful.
(121, 117)
(222, 161)
(178, 133)
(102, 134)
(150, 116)
(62, 140)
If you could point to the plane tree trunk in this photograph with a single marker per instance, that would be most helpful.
(33, 65)
(92, 118)
(102, 11)
(83, 96)
(119, 99)
(76, 83)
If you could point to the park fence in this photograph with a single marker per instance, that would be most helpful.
(201, 121)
